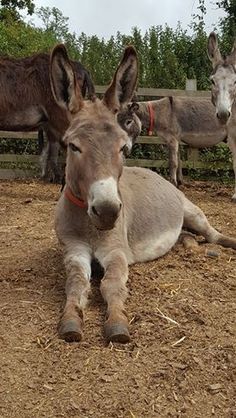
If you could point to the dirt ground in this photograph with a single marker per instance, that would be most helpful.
(181, 361)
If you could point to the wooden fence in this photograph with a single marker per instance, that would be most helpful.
(11, 164)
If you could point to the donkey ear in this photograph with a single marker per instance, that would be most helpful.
(124, 81)
(63, 81)
(213, 49)
(133, 107)
(233, 54)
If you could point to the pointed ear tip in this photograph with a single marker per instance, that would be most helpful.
(212, 36)
(59, 49)
(130, 50)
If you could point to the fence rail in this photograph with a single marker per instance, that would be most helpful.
(11, 164)
(152, 92)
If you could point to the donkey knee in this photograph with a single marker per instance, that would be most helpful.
(113, 291)
(196, 220)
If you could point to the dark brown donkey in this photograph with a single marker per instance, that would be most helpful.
(117, 215)
(27, 103)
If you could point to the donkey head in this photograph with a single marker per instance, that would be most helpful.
(130, 122)
(223, 79)
(95, 141)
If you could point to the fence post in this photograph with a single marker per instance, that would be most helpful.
(191, 84)
(192, 153)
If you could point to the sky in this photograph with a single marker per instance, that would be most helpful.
(105, 17)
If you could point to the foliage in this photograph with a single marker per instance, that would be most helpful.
(228, 23)
(167, 56)
(9, 9)
(14, 39)
(54, 22)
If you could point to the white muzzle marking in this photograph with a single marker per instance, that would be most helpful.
(101, 191)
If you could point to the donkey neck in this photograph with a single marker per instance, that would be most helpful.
(74, 199)
(234, 108)
(161, 109)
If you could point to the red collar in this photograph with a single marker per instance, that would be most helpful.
(151, 114)
(72, 198)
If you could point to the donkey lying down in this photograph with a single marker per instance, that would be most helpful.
(115, 214)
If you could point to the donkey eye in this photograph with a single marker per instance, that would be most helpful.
(123, 149)
(128, 122)
(74, 148)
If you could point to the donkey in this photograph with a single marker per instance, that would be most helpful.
(176, 119)
(114, 214)
(27, 103)
(223, 92)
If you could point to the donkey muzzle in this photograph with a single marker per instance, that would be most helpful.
(105, 214)
(223, 115)
(104, 203)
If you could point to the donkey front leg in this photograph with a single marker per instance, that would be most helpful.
(180, 179)
(78, 269)
(232, 145)
(173, 148)
(114, 292)
(49, 157)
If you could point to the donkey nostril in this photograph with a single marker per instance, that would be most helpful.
(223, 115)
(95, 211)
(120, 206)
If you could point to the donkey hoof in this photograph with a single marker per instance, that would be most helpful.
(70, 330)
(180, 183)
(174, 182)
(116, 332)
(233, 199)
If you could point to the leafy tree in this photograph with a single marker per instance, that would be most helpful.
(228, 23)
(9, 9)
(54, 21)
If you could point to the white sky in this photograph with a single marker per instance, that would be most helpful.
(105, 17)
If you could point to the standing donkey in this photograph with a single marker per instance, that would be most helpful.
(195, 121)
(176, 119)
(26, 102)
(114, 214)
(223, 92)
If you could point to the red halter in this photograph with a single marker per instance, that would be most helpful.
(151, 114)
(78, 202)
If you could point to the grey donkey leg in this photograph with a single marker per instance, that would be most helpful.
(78, 269)
(173, 148)
(195, 219)
(44, 157)
(180, 178)
(114, 292)
(232, 145)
